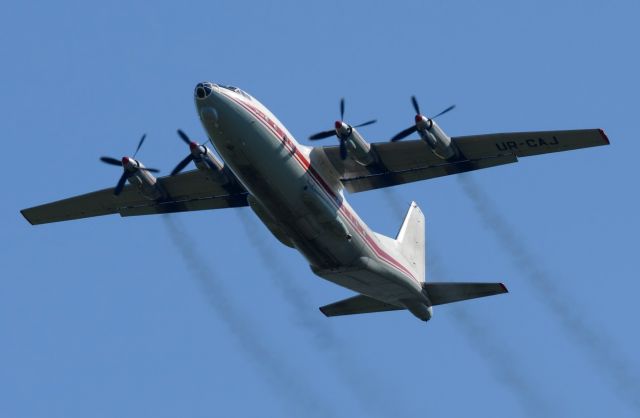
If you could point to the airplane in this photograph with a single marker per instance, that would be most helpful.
(297, 191)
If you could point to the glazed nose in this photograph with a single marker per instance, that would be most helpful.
(203, 90)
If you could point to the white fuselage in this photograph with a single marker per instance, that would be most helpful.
(302, 196)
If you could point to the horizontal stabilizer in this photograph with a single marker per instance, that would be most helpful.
(441, 293)
(357, 305)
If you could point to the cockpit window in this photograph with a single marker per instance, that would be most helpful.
(244, 94)
(237, 90)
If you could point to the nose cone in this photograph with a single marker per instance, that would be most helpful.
(128, 163)
(423, 122)
(203, 90)
(342, 129)
(206, 98)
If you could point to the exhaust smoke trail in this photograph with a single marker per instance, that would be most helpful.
(310, 320)
(598, 346)
(281, 377)
(505, 367)
(294, 295)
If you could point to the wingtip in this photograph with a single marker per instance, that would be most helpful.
(323, 312)
(604, 136)
(504, 288)
(25, 216)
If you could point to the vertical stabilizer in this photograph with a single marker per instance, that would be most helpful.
(411, 240)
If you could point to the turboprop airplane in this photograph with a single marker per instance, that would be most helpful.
(297, 191)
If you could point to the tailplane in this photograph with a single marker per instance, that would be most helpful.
(438, 294)
(410, 245)
(358, 305)
(441, 293)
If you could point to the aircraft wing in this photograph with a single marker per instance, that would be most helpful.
(192, 190)
(408, 161)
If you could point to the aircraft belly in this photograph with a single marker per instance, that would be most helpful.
(283, 187)
(315, 219)
(370, 277)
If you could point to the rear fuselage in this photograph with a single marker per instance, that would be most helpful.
(302, 198)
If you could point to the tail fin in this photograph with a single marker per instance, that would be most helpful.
(411, 240)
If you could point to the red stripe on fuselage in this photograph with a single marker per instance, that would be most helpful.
(280, 134)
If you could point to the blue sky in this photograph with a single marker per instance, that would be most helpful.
(107, 317)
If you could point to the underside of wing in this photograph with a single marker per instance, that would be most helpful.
(400, 163)
(409, 161)
(386, 178)
(192, 190)
(525, 144)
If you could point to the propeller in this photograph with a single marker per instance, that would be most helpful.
(196, 150)
(110, 160)
(342, 130)
(123, 179)
(419, 117)
(130, 166)
(144, 136)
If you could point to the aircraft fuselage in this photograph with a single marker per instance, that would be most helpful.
(303, 198)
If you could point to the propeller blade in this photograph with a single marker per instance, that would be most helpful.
(404, 134)
(151, 170)
(139, 144)
(342, 108)
(322, 135)
(366, 123)
(121, 182)
(182, 164)
(343, 149)
(444, 111)
(415, 105)
(111, 161)
(184, 137)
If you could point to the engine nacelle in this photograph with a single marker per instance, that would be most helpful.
(208, 163)
(143, 180)
(439, 142)
(359, 149)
